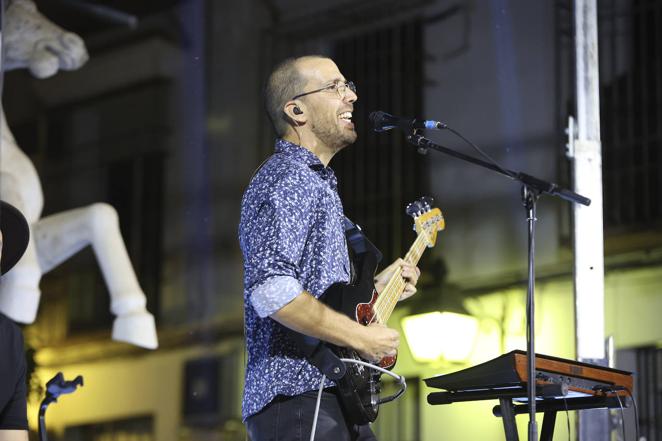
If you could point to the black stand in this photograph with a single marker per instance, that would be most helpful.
(551, 399)
(55, 387)
(529, 199)
(507, 411)
(532, 188)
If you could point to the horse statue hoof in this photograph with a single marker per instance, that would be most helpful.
(137, 328)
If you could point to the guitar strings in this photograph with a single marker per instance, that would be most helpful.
(391, 291)
(385, 307)
(397, 283)
(389, 297)
(412, 256)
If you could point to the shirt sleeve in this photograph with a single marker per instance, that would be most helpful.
(278, 236)
(275, 293)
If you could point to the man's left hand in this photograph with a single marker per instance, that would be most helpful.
(410, 274)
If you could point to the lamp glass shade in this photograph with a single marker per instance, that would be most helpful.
(440, 335)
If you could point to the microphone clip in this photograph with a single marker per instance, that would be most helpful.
(417, 139)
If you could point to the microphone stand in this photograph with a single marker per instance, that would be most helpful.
(532, 188)
(55, 387)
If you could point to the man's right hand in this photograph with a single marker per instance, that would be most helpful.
(377, 342)
(307, 315)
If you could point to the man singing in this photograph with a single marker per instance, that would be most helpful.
(292, 238)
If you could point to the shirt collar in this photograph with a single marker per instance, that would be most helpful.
(307, 157)
(297, 153)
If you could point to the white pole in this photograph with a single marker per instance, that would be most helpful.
(588, 229)
(587, 174)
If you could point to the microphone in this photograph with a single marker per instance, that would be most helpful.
(383, 122)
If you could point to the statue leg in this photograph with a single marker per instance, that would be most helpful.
(59, 236)
(19, 288)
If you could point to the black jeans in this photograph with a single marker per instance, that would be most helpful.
(291, 419)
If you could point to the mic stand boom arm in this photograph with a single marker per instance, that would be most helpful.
(533, 183)
(532, 188)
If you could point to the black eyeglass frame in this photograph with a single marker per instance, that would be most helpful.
(348, 84)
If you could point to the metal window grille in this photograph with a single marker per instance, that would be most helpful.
(630, 38)
(381, 173)
(119, 160)
(630, 57)
(649, 393)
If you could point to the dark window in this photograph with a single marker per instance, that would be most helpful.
(130, 429)
(630, 58)
(649, 392)
(211, 395)
(630, 39)
(381, 173)
(108, 148)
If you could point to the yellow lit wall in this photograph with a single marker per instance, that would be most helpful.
(119, 388)
(152, 383)
(633, 301)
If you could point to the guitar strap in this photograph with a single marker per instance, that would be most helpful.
(316, 352)
(358, 243)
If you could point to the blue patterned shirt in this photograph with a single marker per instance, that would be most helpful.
(292, 237)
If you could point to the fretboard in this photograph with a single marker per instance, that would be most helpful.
(391, 293)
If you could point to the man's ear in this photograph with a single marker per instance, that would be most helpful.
(296, 112)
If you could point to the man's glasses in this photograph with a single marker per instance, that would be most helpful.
(340, 88)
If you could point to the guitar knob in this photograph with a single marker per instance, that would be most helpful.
(427, 202)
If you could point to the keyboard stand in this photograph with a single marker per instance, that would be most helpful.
(550, 407)
(550, 403)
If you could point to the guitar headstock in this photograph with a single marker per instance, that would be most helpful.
(427, 220)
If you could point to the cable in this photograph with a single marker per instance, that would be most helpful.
(615, 390)
(399, 378)
(317, 408)
(636, 413)
(620, 404)
(485, 155)
(567, 415)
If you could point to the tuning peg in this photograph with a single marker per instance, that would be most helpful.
(414, 209)
(411, 209)
(427, 202)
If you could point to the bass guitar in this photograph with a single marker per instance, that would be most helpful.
(359, 386)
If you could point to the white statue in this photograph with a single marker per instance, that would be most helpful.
(33, 42)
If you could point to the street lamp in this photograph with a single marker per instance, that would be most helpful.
(434, 336)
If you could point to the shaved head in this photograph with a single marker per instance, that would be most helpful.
(285, 82)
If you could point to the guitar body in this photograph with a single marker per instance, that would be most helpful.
(365, 314)
(359, 387)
